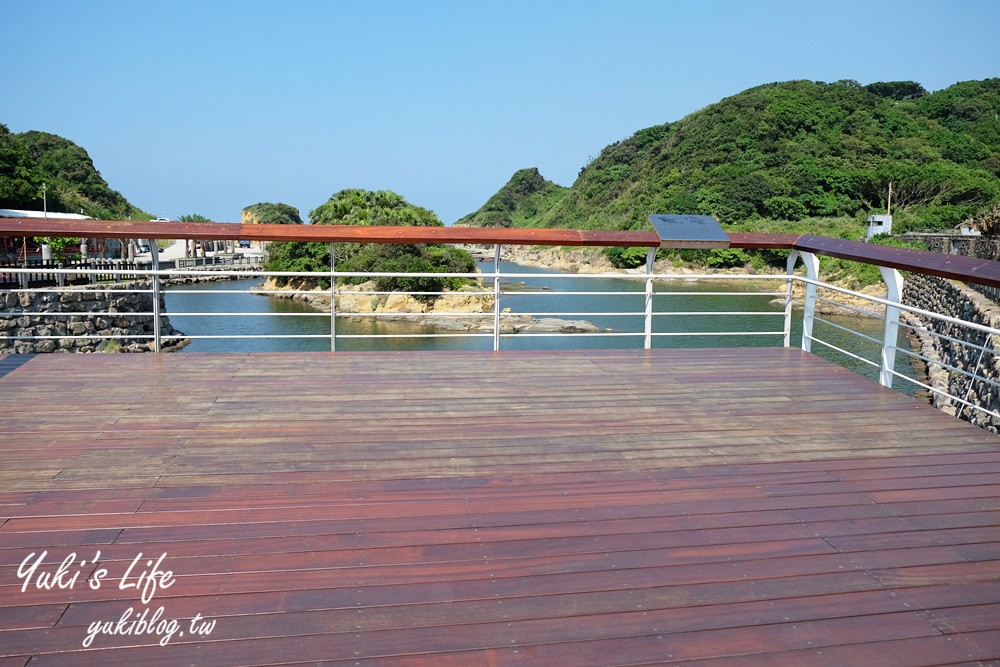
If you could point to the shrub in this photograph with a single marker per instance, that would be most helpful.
(727, 258)
(626, 258)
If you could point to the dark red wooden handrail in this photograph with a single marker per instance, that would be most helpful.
(966, 269)
(224, 231)
(956, 267)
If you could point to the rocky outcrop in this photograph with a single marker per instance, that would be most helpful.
(266, 213)
(956, 300)
(570, 260)
(474, 311)
(54, 330)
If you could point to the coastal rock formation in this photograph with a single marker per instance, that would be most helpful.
(466, 309)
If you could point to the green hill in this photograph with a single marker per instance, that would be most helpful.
(266, 213)
(518, 203)
(787, 152)
(29, 159)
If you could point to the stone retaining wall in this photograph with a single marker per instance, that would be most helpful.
(51, 320)
(959, 301)
(981, 247)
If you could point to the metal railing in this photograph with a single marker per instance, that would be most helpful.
(649, 308)
(649, 305)
(961, 351)
(496, 318)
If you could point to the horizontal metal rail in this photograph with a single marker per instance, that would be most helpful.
(490, 320)
(855, 309)
(903, 306)
(323, 336)
(950, 367)
(848, 330)
(962, 401)
(170, 273)
(78, 313)
(946, 337)
(844, 352)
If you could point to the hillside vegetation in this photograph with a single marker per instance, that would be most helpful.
(785, 153)
(73, 184)
(519, 203)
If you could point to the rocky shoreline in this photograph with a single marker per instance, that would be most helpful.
(466, 310)
(592, 260)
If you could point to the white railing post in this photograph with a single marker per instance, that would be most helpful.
(333, 299)
(894, 285)
(496, 298)
(811, 262)
(650, 258)
(154, 256)
(793, 257)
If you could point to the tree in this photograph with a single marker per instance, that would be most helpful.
(190, 247)
(383, 207)
(784, 208)
(987, 222)
(626, 258)
(29, 159)
(897, 90)
(20, 180)
(62, 247)
(75, 185)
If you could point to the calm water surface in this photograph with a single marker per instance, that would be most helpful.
(528, 295)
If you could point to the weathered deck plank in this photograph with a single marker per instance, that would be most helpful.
(586, 507)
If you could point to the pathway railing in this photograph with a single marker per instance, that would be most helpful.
(39, 272)
(971, 388)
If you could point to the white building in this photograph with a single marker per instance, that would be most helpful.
(879, 224)
(17, 213)
(102, 247)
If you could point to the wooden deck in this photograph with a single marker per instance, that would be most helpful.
(720, 507)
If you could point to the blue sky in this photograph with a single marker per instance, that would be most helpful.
(209, 106)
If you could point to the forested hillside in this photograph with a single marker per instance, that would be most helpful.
(520, 202)
(787, 152)
(73, 184)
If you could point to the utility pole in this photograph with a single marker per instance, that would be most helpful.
(888, 206)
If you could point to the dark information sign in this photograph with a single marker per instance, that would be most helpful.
(689, 231)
